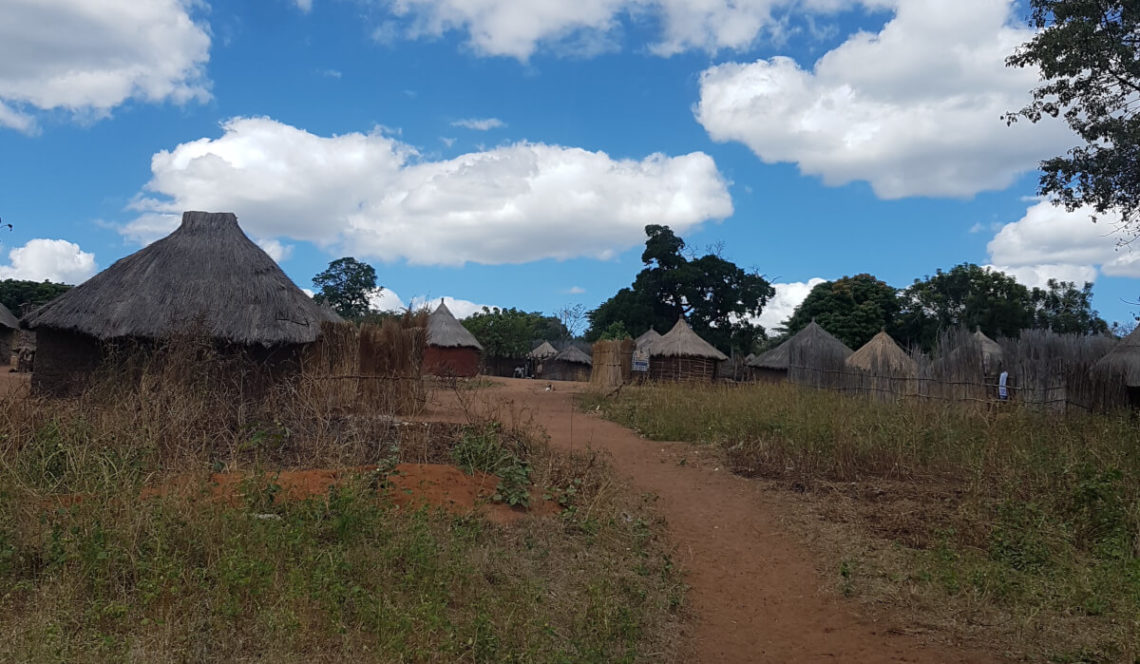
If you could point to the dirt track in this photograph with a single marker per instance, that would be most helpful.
(755, 590)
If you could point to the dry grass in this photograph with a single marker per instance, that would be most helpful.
(1015, 527)
(345, 577)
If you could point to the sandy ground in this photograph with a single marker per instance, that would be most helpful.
(756, 591)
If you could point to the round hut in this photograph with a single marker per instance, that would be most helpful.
(681, 355)
(9, 327)
(811, 356)
(206, 278)
(451, 349)
(539, 356)
(883, 368)
(571, 364)
(1122, 363)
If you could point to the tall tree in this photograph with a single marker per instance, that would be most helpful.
(22, 296)
(511, 332)
(346, 286)
(1088, 53)
(966, 295)
(1066, 309)
(718, 298)
(853, 309)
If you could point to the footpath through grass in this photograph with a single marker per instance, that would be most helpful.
(1019, 528)
(91, 572)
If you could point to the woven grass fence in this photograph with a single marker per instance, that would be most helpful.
(368, 368)
(612, 363)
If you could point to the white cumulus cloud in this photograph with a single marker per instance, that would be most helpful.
(586, 27)
(388, 300)
(1049, 242)
(783, 304)
(89, 57)
(479, 124)
(277, 251)
(914, 109)
(374, 196)
(53, 260)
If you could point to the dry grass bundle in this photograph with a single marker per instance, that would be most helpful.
(612, 363)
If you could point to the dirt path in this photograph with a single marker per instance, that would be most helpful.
(755, 590)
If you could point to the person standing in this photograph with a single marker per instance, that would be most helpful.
(1003, 389)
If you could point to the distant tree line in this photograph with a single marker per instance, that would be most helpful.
(21, 296)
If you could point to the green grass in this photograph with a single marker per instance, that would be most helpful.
(1025, 515)
(92, 572)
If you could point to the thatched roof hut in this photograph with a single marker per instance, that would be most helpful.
(1122, 361)
(8, 329)
(645, 341)
(803, 358)
(682, 355)
(882, 354)
(206, 277)
(451, 348)
(571, 364)
(543, 352)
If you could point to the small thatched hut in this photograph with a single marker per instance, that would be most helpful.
(645, 341)
(206, 278)
(451, 349)
(1122, 363)
(682, 355)
(811, 357)
(884, 368)
(537, 358)
(571, 364)
(8, 328)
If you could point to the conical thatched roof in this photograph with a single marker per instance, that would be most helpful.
(208, 273)
(681, 341)
(444, 331)
(7, 319)
(574, 355)
(645, 341)
(812, 341)
(544, 352)
(882, 353)
(991, 351)
(1123, 360)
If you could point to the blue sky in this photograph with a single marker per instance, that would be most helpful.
(508, 153)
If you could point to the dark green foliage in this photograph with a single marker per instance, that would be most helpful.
(853, 309)
(1088, 52)
(616, 330)
(346, 286)
(21, 296)
(1066, 309)
(713, 294)
(511, 332)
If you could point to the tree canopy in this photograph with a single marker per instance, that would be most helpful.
(1088, 53)
(346, 286)
(22, 296)
(853, 309)
(512, 333)
(966, 295)
(1066, 309)
(718, 298)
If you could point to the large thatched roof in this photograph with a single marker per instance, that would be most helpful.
(544, 352)
(574, 355)
(7, 319)
(206, 273)
(881, 353)
(681, 341)
(1123, 360)
(645, 341)
(812, 341)
(444, 331)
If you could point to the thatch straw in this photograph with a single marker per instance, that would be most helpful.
(811, 342)
(1123, 360)
(645, 342)
(206, 274)
(7, 319)
(544, 352)
(681, 341)
(574, 355)
(881, 353)
(445, 331)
